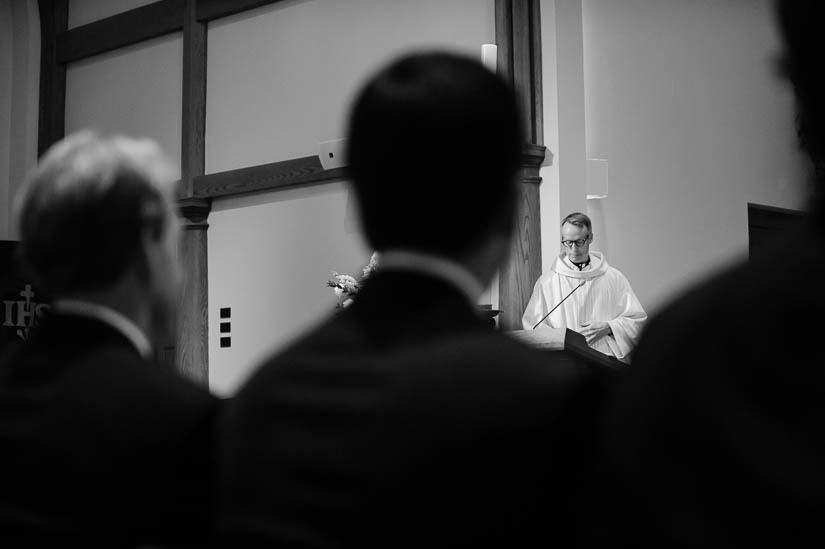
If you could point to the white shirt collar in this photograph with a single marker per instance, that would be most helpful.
(108, 316)
(439, 267)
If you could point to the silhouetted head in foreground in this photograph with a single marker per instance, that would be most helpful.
(434, 146)
(98, 223)
(801, 24)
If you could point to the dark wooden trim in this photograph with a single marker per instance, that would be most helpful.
(54, 18)
(537, 89)
(195, 211)
(192, 338)
(193, 125)
(518, 276)
(522, 67)
(532, 155)
(215, 9)
(518, 37)
(299, 171)
(524, 41)
(124, 29)
(504, 39)
(265, 177)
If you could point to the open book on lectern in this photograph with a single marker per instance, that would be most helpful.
(576, 345)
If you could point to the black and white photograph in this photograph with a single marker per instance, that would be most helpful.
(333, 274)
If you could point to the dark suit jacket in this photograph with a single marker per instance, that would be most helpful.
(406, 422)
(98, 447)
(718, 432)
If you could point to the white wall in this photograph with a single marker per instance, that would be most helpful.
(6, 71)
(563, 176)
(19, 77)
(682, 100)
(270, 256)
(135, 91)
(280, 79)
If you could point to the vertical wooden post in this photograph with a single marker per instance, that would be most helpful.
(518, 37)
(191, 352)
(54, 18)
(192, 341)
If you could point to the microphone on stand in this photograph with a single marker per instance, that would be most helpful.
(557, 306)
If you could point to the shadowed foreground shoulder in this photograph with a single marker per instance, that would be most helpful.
(716, 431)
(467, 435)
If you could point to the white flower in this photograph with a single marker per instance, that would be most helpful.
(348, 283)
(371, 266)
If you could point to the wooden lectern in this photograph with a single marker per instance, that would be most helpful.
(567, 341)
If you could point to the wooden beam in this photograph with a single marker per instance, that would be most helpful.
(265, 177)
(191, 350)
(193, 127)
(518, 37)
(519, 274)
(504, 39)
(537, 90)
(215, 9)
(54, 18)
(297, 171)
(123, 29)
(533, 155)
(192, 340)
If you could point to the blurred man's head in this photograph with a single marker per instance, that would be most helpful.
(576, 236)
(97, 221)
(800, 23)
(434, 146)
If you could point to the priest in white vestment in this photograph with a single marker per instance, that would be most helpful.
(598, 301)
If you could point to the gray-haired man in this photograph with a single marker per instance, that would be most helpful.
(100, 446)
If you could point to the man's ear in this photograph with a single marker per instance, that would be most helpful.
(149, 252)
(151, 236)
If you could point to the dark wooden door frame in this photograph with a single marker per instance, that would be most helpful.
(518, 35)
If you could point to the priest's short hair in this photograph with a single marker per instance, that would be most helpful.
(84, 208)
(434, 146)
(580, 220)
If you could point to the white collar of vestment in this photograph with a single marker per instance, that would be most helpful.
(564, 267)
(436, 266)
(108, 316)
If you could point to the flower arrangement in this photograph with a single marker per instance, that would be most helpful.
(346, 287)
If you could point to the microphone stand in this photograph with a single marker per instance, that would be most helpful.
(557, 306)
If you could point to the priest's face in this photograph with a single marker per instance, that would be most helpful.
(576, 241)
